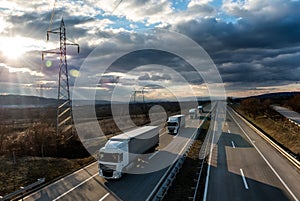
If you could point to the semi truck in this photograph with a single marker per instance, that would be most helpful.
(193, 113)
(120, 151)
(200, 108)
(175, 122)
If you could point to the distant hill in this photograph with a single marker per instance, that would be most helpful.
(25, 101)
(19, 101)
(278, 95)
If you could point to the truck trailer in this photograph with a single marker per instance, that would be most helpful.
(121, 150)
(175, 122)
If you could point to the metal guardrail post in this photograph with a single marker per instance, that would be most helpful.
(173, 170)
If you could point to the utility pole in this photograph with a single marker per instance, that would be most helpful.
(64, 118)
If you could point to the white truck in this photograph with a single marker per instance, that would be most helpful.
(200, 108)
(175, 122)
(121, 150)
(193, 113)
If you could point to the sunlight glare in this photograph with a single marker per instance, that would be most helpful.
(13, 47)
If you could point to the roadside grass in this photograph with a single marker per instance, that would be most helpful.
(27, 170)
(182, 186)
(287, 136)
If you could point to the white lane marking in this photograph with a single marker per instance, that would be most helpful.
(107, 194)
(274, 171)
(244, 179)
(162, 133)
(65, 193)
(209, 162)
(232, 144)
(149, 158)
(65, 178)
(228, 131)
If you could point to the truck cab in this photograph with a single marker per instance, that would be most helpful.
(120, 151)
(174, 123)
(193, 113)
(112, 159)
(200, 108)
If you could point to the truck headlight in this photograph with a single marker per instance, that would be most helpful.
(116, 174)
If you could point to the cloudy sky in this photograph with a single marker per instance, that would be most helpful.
(254, 44)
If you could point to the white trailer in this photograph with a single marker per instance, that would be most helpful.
(176, 122)
(121, 150)
(193, 113)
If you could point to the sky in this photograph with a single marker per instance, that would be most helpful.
(254, 45)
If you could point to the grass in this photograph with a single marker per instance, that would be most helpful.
(28, 169)
(288, 136)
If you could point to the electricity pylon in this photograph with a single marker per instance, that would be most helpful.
(64, 118)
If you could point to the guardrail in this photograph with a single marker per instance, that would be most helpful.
(294, 161)
(204, 151)
(166, 181)
(22, 190)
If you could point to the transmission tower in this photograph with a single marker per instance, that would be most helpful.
(64, 118)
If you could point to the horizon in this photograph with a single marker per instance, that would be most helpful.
(253, 45)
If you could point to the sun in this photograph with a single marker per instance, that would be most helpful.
(13, 47)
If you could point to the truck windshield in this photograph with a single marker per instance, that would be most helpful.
(172, 123)
(110, 157)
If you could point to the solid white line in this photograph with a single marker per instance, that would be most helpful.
(62, 179)
(232, 144)
(274, 171)
(65, 193)
(180, 153)
(107, 194)
(209, 162)
(149, 158)
(244, 179)
(162, 133)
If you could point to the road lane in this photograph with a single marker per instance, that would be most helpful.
(229, 164)
(289, 174)
(85, 184)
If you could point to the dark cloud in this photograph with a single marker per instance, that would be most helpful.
(155, 77)
(257, 48)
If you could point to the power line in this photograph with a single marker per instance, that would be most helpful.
(52, 16)
(118, 4)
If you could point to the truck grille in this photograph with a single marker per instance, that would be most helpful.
(107, 170)
(107, 167)
(107, 173)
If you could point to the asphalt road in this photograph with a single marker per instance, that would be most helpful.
(85, 184)
(290, 114)
(245, 167)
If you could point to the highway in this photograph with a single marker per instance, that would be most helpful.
(243, 166)
(289, 114)
(85, 184)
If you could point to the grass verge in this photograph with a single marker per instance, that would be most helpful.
(278, 131)
(27, 170)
